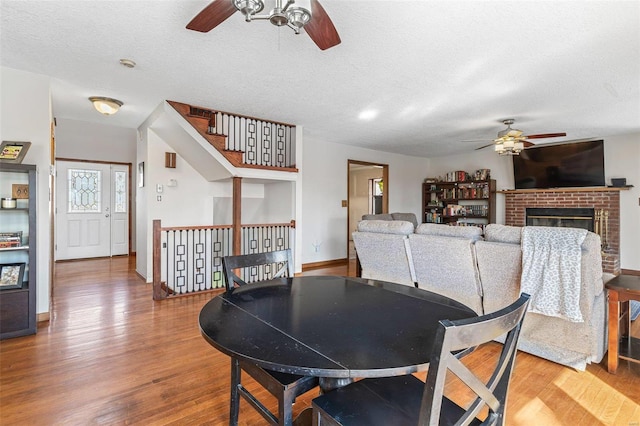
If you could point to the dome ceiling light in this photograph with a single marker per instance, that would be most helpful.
(106, 106)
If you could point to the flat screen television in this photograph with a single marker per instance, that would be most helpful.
(568, 165)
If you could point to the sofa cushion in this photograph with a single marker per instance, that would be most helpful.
(384, 255)
(409, 217)
(499, 266)
(386, 226)
(447, 266)
(381, 216)
(471, 232)
(503, 233)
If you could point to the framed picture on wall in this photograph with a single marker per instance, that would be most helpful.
(13, 152)
(141, 174)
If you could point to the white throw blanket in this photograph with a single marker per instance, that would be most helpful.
(551, 259)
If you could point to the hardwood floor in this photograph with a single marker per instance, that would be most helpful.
(111, 355)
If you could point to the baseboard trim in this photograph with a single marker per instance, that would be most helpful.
(629, 272)
(325, 264)
(43, 317)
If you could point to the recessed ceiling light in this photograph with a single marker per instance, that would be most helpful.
(368, 114)
(127, 63)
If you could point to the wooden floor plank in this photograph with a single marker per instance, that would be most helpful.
(111, 355)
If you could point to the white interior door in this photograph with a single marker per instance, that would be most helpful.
(91, 210)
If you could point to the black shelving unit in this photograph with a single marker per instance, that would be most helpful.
(18, 297)
(470, 203)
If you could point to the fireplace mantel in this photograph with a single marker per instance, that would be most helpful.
(581, 189)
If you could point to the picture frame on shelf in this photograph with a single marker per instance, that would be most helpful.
(11, 275)
(13, 152)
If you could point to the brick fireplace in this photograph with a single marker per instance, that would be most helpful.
(604, 201)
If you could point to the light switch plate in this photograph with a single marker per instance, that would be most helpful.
(159, 188)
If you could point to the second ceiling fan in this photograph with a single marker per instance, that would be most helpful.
(511, 141)
(294, 13)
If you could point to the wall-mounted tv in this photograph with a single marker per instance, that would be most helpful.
(560, 166)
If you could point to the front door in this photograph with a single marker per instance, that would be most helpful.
(91, 210)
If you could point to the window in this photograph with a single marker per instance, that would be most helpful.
(84, 191)
(120, 193)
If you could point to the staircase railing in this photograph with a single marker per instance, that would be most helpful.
(245, 141)
(188, 259)
(264, 143)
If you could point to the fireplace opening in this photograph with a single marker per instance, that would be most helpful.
(583, 218)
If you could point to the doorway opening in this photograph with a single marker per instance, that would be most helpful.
(367, 189)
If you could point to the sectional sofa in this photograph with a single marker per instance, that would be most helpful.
(484, 272)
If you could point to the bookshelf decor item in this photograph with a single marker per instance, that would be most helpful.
(10, 239)
(8, 203)
(11, 275)
(19, 191)
(13, 152)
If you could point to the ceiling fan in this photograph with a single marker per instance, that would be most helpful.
(312, 17)
(511, 141)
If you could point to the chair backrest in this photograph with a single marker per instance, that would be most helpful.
(461, 335)
(279, 261)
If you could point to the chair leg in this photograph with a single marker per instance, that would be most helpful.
(235, 394)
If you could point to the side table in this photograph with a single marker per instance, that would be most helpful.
(620, 290)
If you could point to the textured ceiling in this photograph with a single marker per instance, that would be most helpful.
(429, 74)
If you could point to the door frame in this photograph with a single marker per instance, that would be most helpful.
(129, 165)
(385, 192)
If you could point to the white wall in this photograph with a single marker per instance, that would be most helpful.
(324, 186)
(83, 140)
(189, 203)
(25, 115)
(622, 159)
(279, 202)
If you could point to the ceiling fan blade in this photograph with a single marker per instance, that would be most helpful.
(476, 140)
(211, 16)
(528, 144)
(320, 28)
(485, 146)
(546, 135)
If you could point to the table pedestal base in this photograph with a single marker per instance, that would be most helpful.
(327, 384)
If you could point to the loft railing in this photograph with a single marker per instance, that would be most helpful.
(188, 259)
(263, 143)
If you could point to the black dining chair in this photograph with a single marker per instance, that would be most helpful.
(285, 387)
(406, 400)
(274, 264)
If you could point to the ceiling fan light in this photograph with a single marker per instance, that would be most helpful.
(518, 146)
(508, 144)
(249, 7)
(298, 17)
(106, 106)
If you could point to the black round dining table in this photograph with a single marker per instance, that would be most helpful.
(335, 328)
